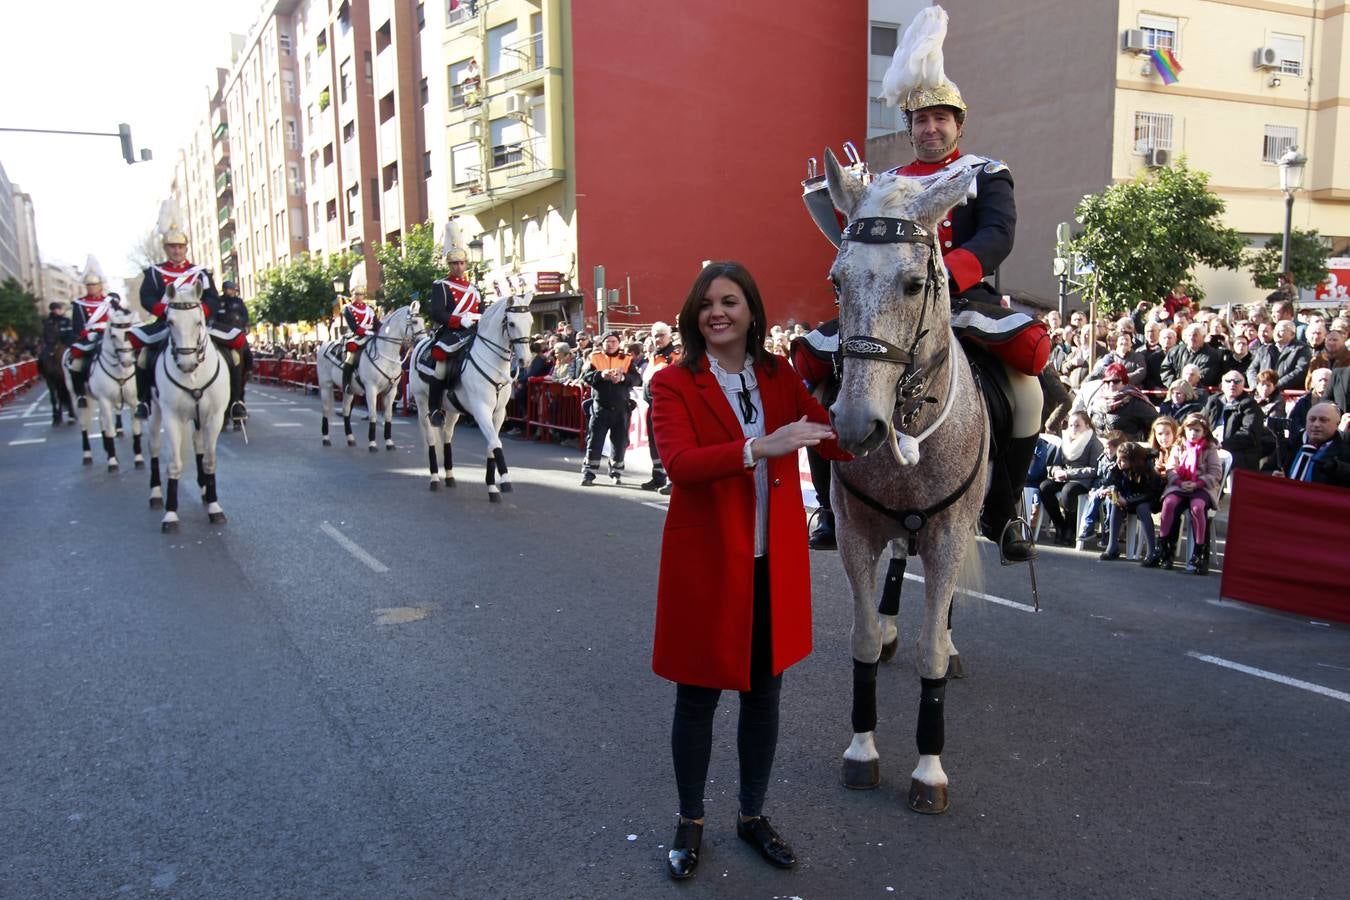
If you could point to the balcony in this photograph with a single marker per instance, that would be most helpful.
(518, 168)
(226, 216)
(227, 247)
(222, 130)
(528, 54)
(220, 152)
(222, 184)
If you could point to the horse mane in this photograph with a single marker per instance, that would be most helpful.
(888, 194)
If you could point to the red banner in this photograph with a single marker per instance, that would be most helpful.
(1286, 546)
(1337, 285)
(547, 282)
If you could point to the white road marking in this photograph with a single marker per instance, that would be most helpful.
(353, 548)
(661, 506)
(1001, 601)
(41, 440)
(1272, 676)
(286, 425)
(33, 424)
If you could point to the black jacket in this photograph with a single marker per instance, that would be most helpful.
(1331, 463)
(228, 312)
(1243, 429)
(153, 286)
(1290, 363)
(1207, 359)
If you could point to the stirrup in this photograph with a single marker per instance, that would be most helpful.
(81, 402)
(1017, 522)
(437, 418)
(142, 410)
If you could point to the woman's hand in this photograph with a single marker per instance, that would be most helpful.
(1188, 486)
(790, 438)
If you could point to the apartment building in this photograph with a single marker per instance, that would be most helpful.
(1066, 92)
(62, 284)
(197, 169)
(599, 134)
(402, 94)
(887, 21)
(256, 150)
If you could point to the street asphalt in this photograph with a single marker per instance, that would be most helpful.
(358, 687)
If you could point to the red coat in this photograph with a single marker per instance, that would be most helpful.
(705, 593)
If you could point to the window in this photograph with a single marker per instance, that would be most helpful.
(1152, 131)
(384, 36)
(314, 167)
(328, 155)
(1278, 140)
(288, 85)
(375, 192)
(352, 193)
(425, 91)
(309, 120)
(274, 138)
(507, 136)
(344, 79)
(387, 107)
(332, 210)
(309, 68)
(370, 69)
(462, 82)
(1289, 48)
(292, 135)
(465, 165)
(426, 164)
(1160, 32)
(316, 215)
(284, 40)
(885, 38)
(536, 41)
(499, 61)
(421, 16)
(390, 176)
(456, 11)
(348, 132)
(321, 42)
(297, 223)
(297, 184)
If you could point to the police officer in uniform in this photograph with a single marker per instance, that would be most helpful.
(89, 322)
(612, 377)
(975, 238)
(362, 324)
(228, 324)
(149, 339)
(57, 334)
(455, 306)
(664, 353)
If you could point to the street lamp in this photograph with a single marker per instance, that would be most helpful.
(1292, 164)
(476, 259)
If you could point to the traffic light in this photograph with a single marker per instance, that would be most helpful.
(128, 150)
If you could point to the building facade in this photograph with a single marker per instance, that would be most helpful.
(1079, 105)
(62, 284)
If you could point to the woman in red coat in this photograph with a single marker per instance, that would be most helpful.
(730, 614)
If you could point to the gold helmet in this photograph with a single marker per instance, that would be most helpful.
(357, 283)
(916, 78)
(93, 272)
(457, 255)
(453, 243)
(170, 226)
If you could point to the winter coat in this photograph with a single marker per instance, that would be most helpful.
(1208, 471)
(1243, 430)
(1290, 363)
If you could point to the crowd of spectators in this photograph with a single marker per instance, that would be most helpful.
(1163, 394)
(15, 350)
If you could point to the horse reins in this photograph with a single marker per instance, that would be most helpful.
(200, 352)
(503, 351)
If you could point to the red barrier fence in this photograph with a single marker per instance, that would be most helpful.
(1286, 546)
(290, 372)
(17, 377)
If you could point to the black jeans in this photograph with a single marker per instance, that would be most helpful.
(1052, 493)
(756, 729)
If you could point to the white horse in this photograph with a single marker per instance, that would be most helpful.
(483, 390)
(112, 385)
(378, 370)
(192, 387)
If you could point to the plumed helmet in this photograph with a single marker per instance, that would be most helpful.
(357, 283)
(453, 242)
(93, 272)
(916, 78)
(170, 225)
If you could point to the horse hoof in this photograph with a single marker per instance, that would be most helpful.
(351, 442)
(374, 449)
(861, 774)
(216, 518)
(327, 442)
(390, 446)
(928, 799)
(112, 467)
(888, 649)
(140, 464)
(156, 503)
(506, 487)
(168, 527)
(238, 425)
(450, 482)
(954, 667)
(494, 498)
(435, 485)
(88, 461)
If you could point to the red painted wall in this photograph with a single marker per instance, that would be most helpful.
(693, 123)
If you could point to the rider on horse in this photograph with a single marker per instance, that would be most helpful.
(176, 270)
(227, 321)
(362, 322)
(975, 238)
(57, 335)
(455, 305)
(90, 321)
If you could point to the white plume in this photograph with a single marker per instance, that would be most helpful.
(454, 237)
(91, 267)
(170, 217)
(358, 279)
(918, 60)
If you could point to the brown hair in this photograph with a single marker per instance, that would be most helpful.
(1200, 420)
(695, 347)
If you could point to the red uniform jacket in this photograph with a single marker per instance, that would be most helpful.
(705, 593)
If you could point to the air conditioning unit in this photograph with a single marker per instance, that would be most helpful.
(1133, 40)
(475, 130)
(1266, 58)
(1157, 158)
(517, 104)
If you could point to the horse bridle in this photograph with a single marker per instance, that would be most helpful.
(200, 350)
(504, 350)
(912, 385)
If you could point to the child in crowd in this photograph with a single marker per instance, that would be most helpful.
(1161, 438)
(1135, 488)
(1193, 475)
(1101, 485)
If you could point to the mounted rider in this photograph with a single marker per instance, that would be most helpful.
(362, 323)
(975, 239)
(227, 323)
(89, 322)
(149, 339)
(455, 306)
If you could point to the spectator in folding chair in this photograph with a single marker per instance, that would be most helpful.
(1238, 421)
(1162, 437)
(1194, 479)
(1324, 457)
(1135, 490)
(1072, 467)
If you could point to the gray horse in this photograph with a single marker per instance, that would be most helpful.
(907, 392)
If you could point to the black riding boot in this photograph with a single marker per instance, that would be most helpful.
(78, 380)
(1000, 504)
(237, 410)
(435, 400)
(822, 537)
(143, 392)
(347, 369)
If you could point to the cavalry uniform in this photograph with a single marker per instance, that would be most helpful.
(57, 334)
(610, 407)
(149, 339)
(89, 321)
(455, 306)
(227, 322)
(661, 358)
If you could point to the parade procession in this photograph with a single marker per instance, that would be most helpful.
(1004, 370)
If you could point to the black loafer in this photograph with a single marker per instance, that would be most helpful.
(758, 833)
(682, 860)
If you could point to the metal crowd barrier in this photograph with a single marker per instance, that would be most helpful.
(17, 377)
(290, 372)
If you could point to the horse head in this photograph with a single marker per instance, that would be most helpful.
(120, 321)
(187, 325)
(894, 308)
(508, 321)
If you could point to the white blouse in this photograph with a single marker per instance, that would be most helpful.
(741, 388)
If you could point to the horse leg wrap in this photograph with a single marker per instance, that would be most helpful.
(388, 431)
(449, 456)
(500, 459)
(323, 427)
(211, 488)
(491, 472)
(84, 441)
(171, 496)
(431, 458)
(154, 471)
(109, 447)
(929, 736)
(136, 444)
(201, 473)
(864, 697)
(890, 590)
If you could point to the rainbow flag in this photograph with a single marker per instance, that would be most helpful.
(1168, 67)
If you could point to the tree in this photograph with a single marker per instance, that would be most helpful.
(301, 290)
(1143, 237)
(148, 251)
(1307, 260)
(408, 268)
(19, 310)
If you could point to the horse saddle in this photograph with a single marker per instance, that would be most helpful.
(331, 353)
(992, 379)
